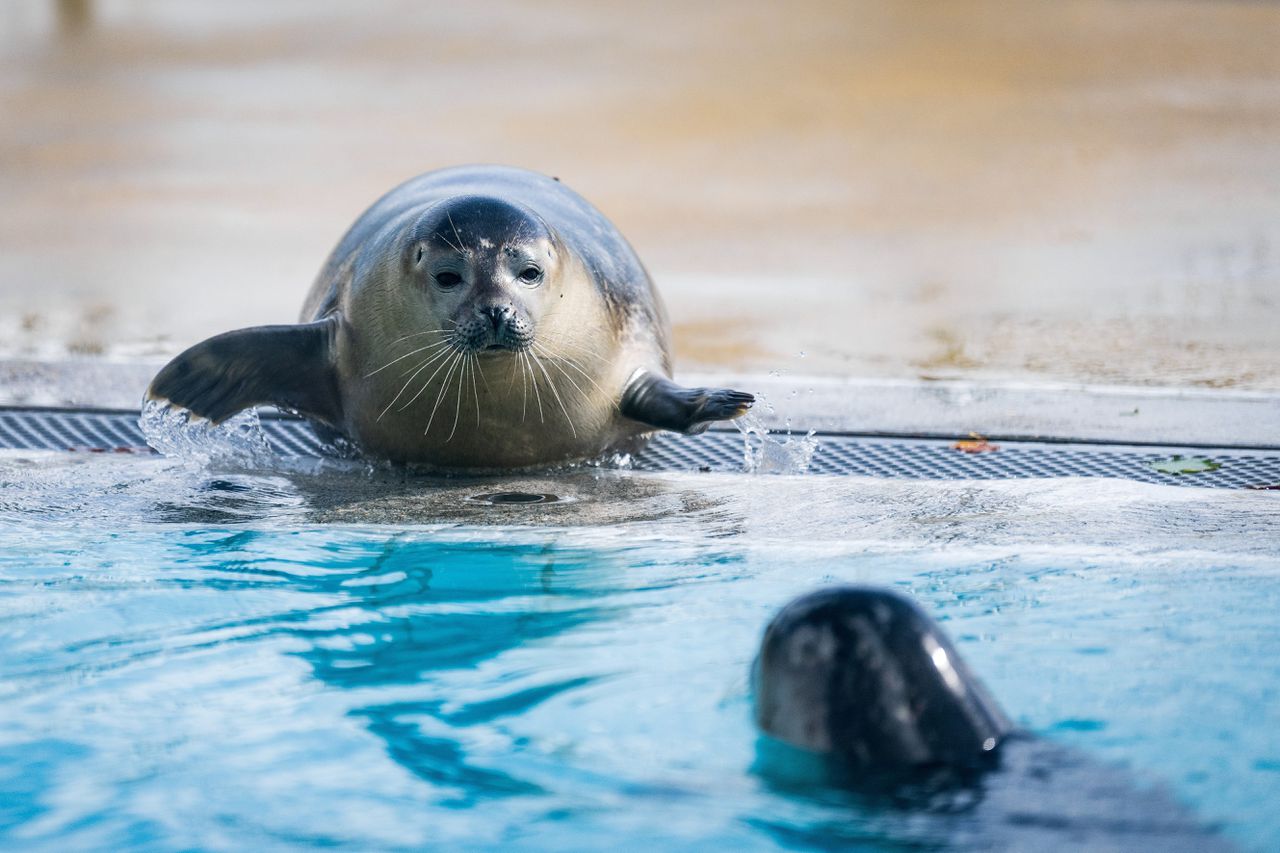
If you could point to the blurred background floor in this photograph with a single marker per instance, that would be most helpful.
(1075, 190)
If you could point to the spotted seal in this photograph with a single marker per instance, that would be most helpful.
(478, 317)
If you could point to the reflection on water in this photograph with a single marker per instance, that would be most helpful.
(415, 612)
(1077, 190)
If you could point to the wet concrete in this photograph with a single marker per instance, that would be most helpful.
(1083, 191)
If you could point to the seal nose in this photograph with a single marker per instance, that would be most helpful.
(498, 315)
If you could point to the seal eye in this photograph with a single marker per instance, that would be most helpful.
(448, 280)
(531, 275)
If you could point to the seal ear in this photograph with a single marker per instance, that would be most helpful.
(289, 366)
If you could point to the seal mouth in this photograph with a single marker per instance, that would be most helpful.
(498, 347)
(482, 341)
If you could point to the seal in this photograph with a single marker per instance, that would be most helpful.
(865, 675)
(479, 317)
(858, 689)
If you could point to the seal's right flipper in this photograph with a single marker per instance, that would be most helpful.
(289, 366)
(659, 402)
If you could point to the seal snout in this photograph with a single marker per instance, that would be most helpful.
(493, 327)
(498, 316)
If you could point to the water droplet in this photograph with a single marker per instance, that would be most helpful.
(762, 453)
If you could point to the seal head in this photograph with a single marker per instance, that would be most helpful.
(486, 285)
(864, 675)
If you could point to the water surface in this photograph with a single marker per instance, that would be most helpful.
(218, 658)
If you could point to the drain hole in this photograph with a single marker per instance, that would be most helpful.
(515, 498)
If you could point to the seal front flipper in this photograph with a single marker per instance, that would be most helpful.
(659, 402)
(289, 366)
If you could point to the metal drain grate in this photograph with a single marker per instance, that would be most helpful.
(899, 457)
(937, 459)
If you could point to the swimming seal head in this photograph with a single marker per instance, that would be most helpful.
(865, 676)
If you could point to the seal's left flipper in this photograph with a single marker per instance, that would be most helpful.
(659, 402)
(289, 366)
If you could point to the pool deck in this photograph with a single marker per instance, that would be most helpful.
(931, 409)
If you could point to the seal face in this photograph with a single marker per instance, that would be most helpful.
(487, 287)
(473, 318)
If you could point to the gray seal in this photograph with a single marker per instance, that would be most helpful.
(479, 317)
(858, 689)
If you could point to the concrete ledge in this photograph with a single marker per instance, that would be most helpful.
(87, 382)
(1010, 410)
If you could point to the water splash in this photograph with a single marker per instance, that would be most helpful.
(763, 453)
(176, 432)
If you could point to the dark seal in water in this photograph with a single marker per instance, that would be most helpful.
(861, 692)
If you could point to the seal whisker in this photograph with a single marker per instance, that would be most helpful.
(427, 384)
(575, 385)
(462, 249)
(524, 388)
(427, 362)
(436, 345)
(565, 342)
(554, 359)
(552, 385)
(443, 390)
(431, 357)
(420, 367)
(444, 384)
(475, 368)
(533, 380)
(420, 334)
(565, 374)
(511, 381)
(458, 247)
(439, 351)
(484, 380)
(585, 375)
(457, 407)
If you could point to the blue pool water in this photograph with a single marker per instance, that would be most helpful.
(205, 658)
